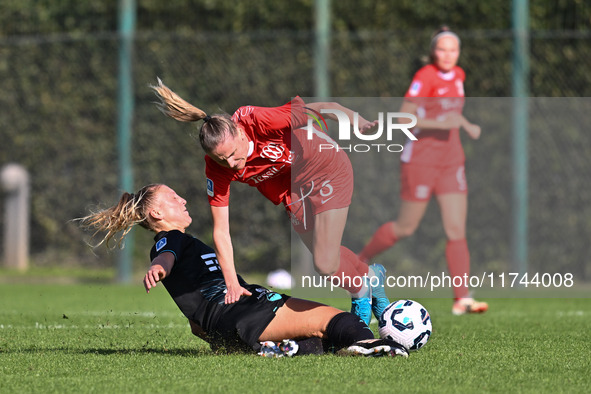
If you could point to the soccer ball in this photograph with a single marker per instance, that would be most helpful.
(406, 322)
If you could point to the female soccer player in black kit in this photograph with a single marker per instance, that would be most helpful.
(188, 269)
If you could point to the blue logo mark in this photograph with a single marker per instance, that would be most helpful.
(209, 187)
(273, 296)
(160, 244)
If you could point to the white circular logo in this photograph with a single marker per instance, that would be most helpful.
(273, 152)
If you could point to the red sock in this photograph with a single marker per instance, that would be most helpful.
(384, 238)
(350, 271)
(458, 264)
(360, 266)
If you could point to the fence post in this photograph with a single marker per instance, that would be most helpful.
(322, 48)
(15, 182)
(127, 16)
(520, 21)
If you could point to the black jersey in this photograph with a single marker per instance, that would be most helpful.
(196, 282)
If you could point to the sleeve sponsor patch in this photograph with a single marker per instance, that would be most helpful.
(460, 87)
(160, 244)
(415, 88)
(209, 187)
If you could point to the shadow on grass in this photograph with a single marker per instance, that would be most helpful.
(182, 352)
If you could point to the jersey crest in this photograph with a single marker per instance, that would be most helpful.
(415, 88)
(160, 244)
(272, 152)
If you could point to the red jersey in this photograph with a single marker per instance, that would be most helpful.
(272, 154)
(436, 147)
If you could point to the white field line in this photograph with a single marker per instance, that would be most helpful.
(44, 326)
(97, 313)
(572, 313)
(144, 326)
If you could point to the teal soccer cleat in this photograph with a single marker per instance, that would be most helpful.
(362, 307)
(379, 300)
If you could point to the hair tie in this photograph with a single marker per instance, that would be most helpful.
(445, 33)
(206, 119)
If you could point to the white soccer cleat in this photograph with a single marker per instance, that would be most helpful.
(285, 348)
(377, 348)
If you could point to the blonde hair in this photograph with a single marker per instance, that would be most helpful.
(131, 209)
(214, 130)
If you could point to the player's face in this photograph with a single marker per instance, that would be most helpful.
(446, 53)
(232, 152)
(172, 210)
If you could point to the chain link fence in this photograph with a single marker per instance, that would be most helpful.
(58, 117)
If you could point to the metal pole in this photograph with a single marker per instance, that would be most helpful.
(321, 91)
(322, 48)
(520, 80)
(127, 11)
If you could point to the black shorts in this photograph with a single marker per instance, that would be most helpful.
(238, 326)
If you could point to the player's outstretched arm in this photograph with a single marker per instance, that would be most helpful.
(450, 121)
(473, 130)
(225, 253)
(159, 269)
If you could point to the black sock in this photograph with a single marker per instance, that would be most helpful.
(343, 330)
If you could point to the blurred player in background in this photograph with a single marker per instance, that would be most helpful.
(434, 164)
(190, 272)
(268, 148)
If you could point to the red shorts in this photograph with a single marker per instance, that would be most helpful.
(329, 188)
(420, 182)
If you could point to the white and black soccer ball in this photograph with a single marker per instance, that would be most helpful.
(406, 322)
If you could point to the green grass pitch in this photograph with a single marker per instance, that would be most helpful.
(113, 338)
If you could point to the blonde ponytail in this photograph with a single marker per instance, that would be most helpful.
(214, 130)
(172, 105)
(131, 209)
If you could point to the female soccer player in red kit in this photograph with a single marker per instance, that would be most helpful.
(434, 164)
(270, 149)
